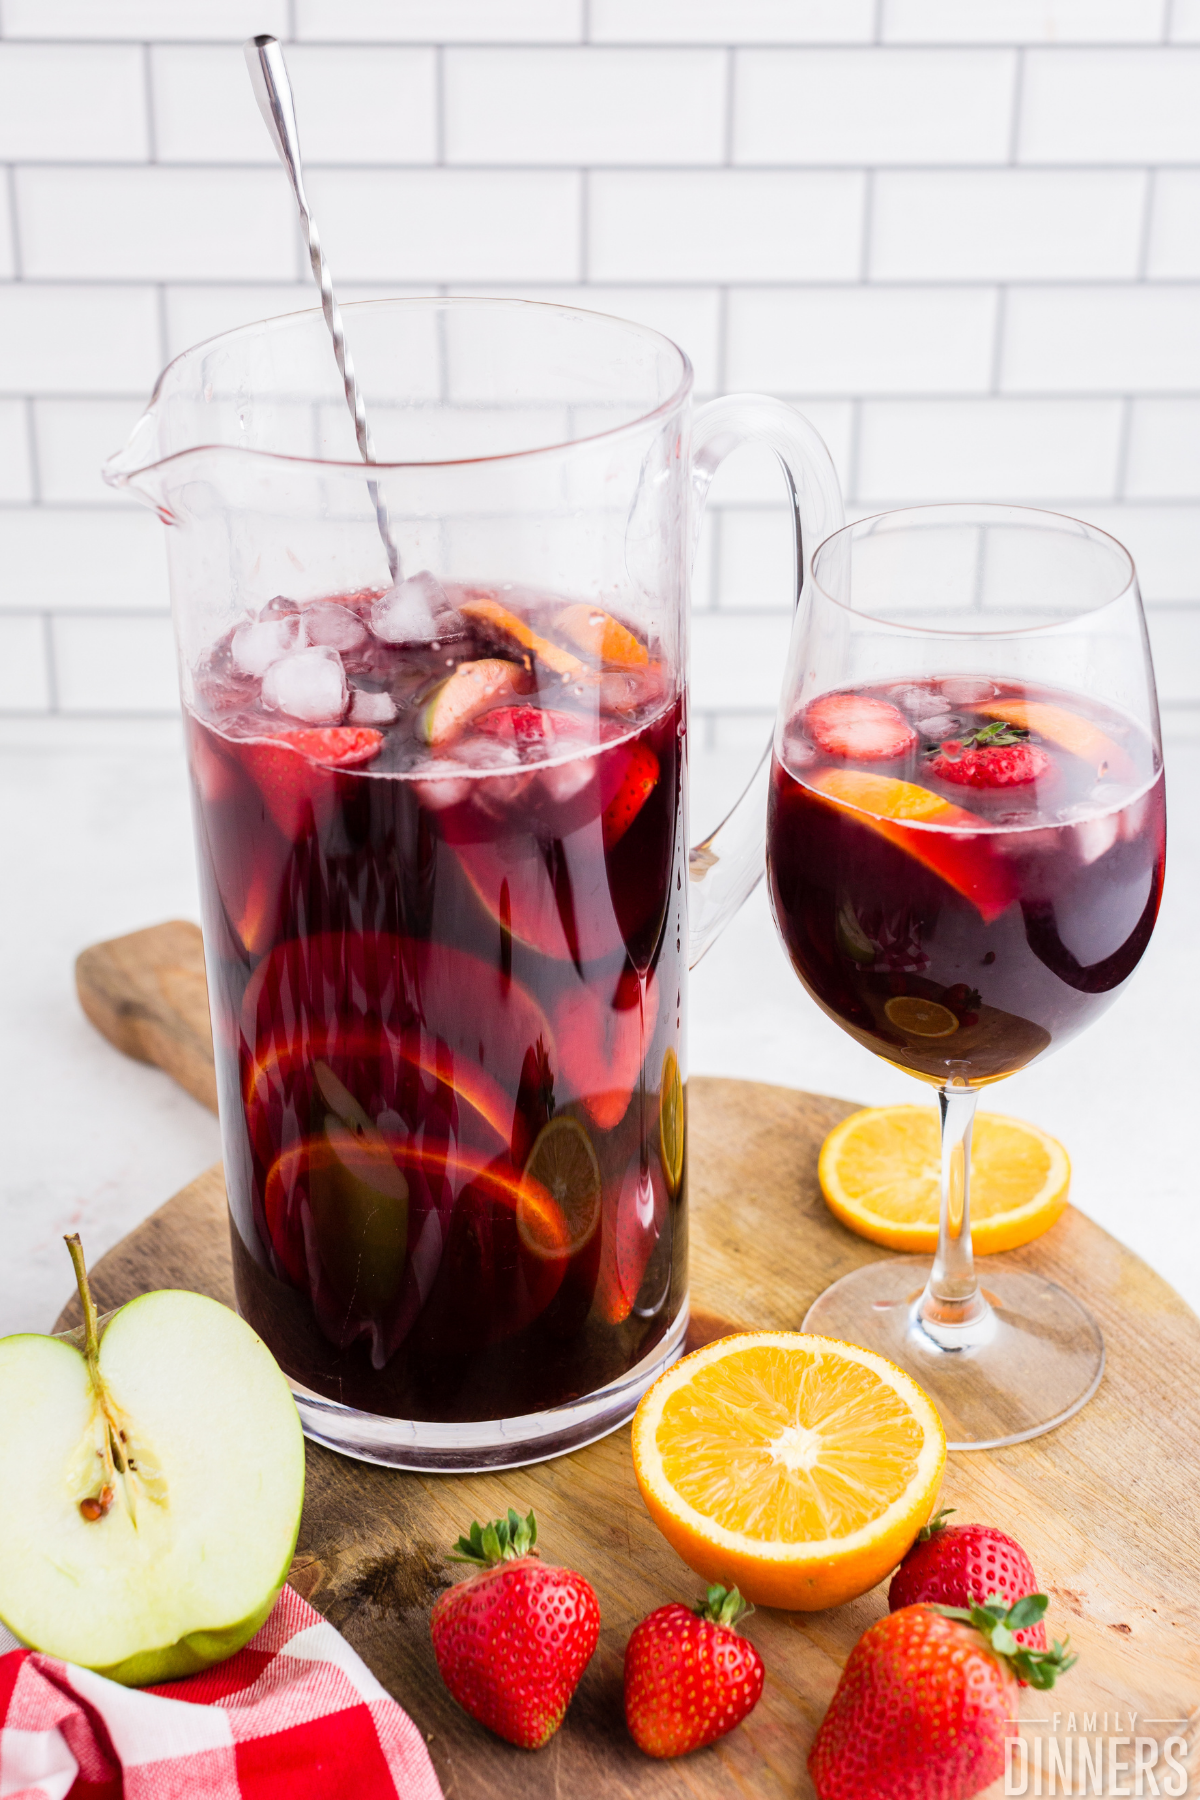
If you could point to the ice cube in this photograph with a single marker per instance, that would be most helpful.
(444, 792)
(339, 627)
(258, 644)
(309, 684)
(410, 612)
(367, 708)
(562, 781)
(964, 690)
(920, 703)
(941, 726)
(1096, 836)
(280, 607)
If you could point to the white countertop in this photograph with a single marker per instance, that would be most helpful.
(97, 835)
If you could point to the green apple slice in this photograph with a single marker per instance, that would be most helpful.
(153, 1487)
(473, 688)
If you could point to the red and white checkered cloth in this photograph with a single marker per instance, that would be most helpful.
(296, 1715)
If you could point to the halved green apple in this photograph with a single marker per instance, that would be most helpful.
(154, 1481)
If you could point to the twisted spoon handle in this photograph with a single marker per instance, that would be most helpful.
(273, 91)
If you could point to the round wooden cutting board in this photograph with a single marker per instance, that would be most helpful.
(1106, 1505)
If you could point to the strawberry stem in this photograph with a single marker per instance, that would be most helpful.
(723, 1606)
(936, 1524)
(998, 1623)
(501, 1541)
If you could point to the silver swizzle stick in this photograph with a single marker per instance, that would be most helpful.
(273, 91)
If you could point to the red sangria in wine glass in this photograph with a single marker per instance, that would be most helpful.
(965, 847)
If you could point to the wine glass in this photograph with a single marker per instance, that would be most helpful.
(965, 853)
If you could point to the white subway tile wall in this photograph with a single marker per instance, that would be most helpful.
(964, 238)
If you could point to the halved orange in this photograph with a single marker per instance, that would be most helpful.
(563, 1166)
(880, 1173)
(798, 1467)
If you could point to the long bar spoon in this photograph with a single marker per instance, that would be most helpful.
(273, 91)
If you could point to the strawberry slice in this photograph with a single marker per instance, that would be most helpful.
(530, 728)
(292, 770)
(855, 725)
(960, 852)
(639, 783)
(602, 1043)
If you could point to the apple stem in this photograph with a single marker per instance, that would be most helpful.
(91, 1348)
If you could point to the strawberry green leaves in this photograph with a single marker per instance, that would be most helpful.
(998, 1623)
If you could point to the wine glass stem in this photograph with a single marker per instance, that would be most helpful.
(952, 1298)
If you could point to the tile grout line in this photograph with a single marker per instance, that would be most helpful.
(999, 326)
(439, 105)
(148, 95)
(10, 178)
(1124, 436)
(868, 219)
(164, 335)
(31, 444)
(730, 90)
(585, 198)
(1149, 202)
(51, 664)
(1018, 100)
(854, 451)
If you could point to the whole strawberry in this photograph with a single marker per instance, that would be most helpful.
(955, 1564)
(689, 1675)
(513, 1639)
(925, 1703)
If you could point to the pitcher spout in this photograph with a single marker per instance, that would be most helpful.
(137, 467)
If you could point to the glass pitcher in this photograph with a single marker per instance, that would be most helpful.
(436, 722)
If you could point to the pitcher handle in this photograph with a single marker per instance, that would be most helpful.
(727, 865)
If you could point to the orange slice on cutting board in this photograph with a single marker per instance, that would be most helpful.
(880, 1173)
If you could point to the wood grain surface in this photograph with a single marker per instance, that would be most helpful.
(1106, 1505)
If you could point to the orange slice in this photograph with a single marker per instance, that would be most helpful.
(512, 629)
(799, 1467)
(959, 850)
(921, 1018)
(880, 1173)
(561, 1166)
(1069, 730)
(670, 1121)
(601, 637)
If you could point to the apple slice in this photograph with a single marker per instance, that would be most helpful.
(959, 851)
(155, 1484)
(473, 688)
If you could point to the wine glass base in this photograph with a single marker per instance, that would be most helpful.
(1033, 1360)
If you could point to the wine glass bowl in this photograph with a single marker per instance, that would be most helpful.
(965, 854)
